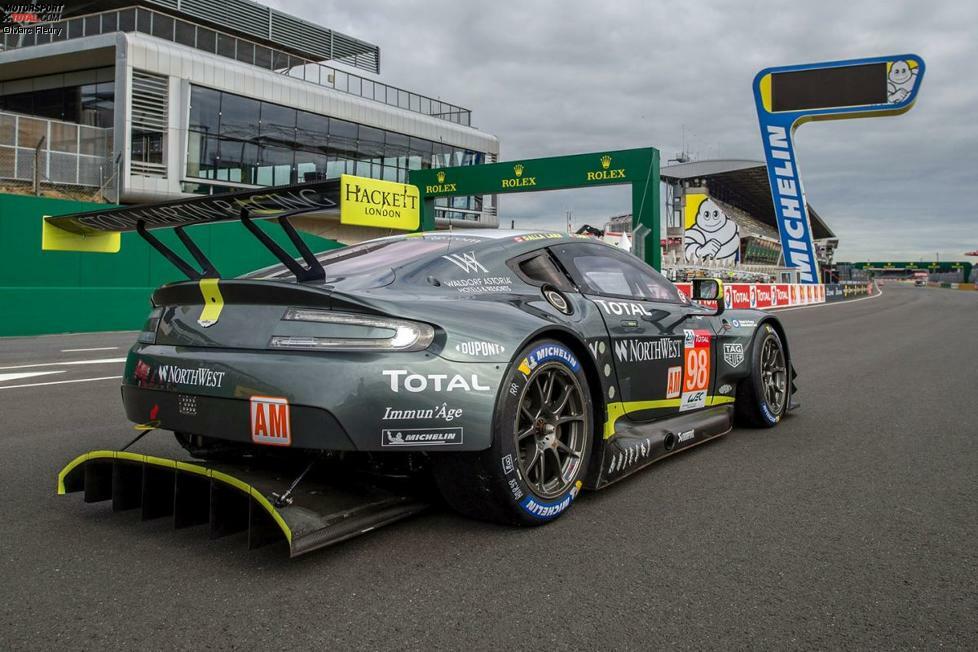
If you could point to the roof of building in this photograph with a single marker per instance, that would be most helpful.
(742, 183)
(257, 22)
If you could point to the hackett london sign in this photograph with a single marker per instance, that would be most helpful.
(372, 202)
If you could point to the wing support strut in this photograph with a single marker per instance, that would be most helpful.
(314, 270)
(207, 269)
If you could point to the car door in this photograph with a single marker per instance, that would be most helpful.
(662, 352)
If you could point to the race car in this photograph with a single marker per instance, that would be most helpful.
(517, 367)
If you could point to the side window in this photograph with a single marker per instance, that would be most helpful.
(540, 269)
(603, 270)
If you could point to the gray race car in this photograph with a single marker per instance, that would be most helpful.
(519, 367)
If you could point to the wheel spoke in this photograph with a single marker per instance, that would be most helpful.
(569, 419)
(564, 400)
(533, 461)
(525, 409)
(567, 449)
(548, 388)
(526, 433)
(542, 467)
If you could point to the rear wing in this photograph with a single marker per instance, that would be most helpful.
(346, 202)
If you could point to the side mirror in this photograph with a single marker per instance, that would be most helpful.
(709, 289)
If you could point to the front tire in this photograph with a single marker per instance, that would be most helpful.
(762, 398)
(542, 435)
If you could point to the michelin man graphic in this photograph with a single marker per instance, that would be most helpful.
(714, 235)
(900, 80)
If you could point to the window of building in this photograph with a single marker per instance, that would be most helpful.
(277, 124)
(312, 131)
(205, 109)
(239, 117)
(241, 140)
(186, 33)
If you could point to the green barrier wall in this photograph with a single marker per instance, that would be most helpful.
(66, 292)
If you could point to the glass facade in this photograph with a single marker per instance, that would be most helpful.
(241, 140)
(147, 21)
(84, 97)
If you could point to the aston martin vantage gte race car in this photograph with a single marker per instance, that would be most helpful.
(519, 367)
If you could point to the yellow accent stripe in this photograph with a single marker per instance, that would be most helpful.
(619, 409)
(54, 238)
(213, 301)
(182, 466)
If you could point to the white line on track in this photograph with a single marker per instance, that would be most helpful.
(27, 374)
(62, 382)
(831, 303)
(59, 364)
(94, 348)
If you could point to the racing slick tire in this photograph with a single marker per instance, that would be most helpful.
(542, 437)
(762, 397)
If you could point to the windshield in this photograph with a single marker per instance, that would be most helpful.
(370, 259)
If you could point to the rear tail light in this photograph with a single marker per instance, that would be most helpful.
(353, 332)
(148, 334)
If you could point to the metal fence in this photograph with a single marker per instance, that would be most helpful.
(55, 158)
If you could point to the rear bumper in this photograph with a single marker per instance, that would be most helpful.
(407, 401)
(230, 418)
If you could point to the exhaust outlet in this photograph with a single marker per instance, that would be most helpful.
(670, 442)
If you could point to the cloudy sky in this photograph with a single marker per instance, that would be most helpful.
(561, 77)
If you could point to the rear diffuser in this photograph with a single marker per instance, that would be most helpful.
(236, 497)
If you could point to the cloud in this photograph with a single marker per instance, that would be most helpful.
(559, 77)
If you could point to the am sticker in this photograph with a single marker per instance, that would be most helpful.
(270, 421)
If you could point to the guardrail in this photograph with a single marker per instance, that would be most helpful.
(767, 296)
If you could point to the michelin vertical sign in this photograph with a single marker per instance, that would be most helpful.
(789, 96)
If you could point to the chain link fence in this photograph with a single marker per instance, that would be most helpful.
(51, 158)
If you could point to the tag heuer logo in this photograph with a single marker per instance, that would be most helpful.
(518, 169)
(733, 354)
(605, 162)
(440, 175)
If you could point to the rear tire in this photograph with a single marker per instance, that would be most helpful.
(542, 432)
(762, 398)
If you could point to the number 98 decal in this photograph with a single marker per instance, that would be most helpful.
(696, 369)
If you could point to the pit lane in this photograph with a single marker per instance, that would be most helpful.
(850, 525)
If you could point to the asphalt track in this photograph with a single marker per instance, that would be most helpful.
(852, 525)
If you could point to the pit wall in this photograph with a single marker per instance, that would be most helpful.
(69, 292)
(772, 296)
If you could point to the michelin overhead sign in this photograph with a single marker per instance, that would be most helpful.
(788, 96)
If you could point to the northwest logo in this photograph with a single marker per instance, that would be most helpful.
(519, 181)
(606, 172)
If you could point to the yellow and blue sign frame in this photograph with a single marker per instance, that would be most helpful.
(777, 130)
